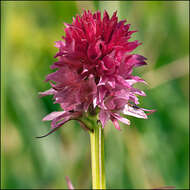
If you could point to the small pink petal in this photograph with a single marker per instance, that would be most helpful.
(61, 120)
(150, 111)
(53, 115)
(122, 119)
(104, 117)
(69, 184)
(47, 92)
(102, 81)
(134, 79)
(116, 124)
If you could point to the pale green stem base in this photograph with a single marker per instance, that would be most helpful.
(97, 158)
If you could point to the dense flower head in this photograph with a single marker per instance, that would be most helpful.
(94, 71)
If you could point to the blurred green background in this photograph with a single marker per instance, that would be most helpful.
(150, 153)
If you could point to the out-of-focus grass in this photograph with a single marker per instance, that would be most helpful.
(150, 153)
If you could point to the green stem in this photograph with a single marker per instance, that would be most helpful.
(97, 158)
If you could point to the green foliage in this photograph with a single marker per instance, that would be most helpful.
(150, 153)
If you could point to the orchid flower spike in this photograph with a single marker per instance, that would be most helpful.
(94, 72)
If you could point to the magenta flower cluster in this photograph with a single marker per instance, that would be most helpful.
(94, 71)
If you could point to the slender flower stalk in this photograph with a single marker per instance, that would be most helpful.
(97, 158)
